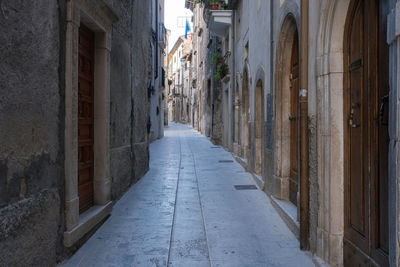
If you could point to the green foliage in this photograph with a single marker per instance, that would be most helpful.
(222, 71)
(216, 58)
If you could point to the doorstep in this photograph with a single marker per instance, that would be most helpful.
(288, 212)
(242, 161)
(259, 180)
(87, 221)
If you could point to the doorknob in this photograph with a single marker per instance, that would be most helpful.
(292, 118)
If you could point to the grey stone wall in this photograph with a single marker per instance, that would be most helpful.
(29, 230)
(129, 102)
(31, 134)
(32, 111)
(141, 56)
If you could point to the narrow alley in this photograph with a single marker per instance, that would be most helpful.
(197, 133)
(186, 211)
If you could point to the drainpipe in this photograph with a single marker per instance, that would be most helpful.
(272, 78)
(304, 171)
(233, 79)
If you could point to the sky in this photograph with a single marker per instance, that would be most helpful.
(175, 13)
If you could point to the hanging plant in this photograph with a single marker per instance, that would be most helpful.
(217, 58)
(214, 4)
(224, 5)
(222, 71)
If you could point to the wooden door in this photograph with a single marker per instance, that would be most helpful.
(294, 121)
(85, 118)
(366, 136)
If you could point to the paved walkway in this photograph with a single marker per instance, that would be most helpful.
(186, 212)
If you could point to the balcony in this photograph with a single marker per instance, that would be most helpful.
(220, 21)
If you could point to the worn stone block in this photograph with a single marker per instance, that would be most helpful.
(121, 170)
(29, 231)
(140, 159)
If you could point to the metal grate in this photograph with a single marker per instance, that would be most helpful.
(245, 187)
(225, 161)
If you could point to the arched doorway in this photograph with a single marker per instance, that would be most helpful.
(245, 112)
(236, 125)
(259, 118)
(366, 144)
(294, 120)
(287, 126)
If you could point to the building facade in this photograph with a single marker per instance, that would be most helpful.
(157, 83)
(310, 107)
(73, 120)
(208, 88)
(179, 73)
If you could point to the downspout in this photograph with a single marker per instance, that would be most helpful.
(233, 83)
(271, 58)
(304, 171)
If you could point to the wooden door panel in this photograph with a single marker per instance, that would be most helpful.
(85, 119)
(357, 188)
(294, 121)
(380, 141)
(367, 139)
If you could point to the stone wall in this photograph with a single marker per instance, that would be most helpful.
(129, 70)
(31, 133)
(141, 52)
(32, 112)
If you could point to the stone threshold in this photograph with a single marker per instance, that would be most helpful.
(288, 213)
(259, 180)
(87, 221)
(241, 161)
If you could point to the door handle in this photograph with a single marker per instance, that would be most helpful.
(385, 99)
(292, 118)
(351, 119)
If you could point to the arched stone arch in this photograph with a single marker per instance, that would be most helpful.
(245, 111)
(288, 34)
(330, 148)
(236, 111)
(289, 8)
(259, 121)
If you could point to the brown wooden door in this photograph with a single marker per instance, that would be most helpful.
(294, 121)
(85, 118)
(366, 142)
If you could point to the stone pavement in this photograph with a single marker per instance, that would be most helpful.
(186, 212)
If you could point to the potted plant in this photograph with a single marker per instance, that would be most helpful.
(222, 71)
(214, 4)
(224, 5)
(217, 58)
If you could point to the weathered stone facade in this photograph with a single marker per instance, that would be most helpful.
(38, 166)
(179, 76)
(257, 116)
(208, 90)
(159, 55)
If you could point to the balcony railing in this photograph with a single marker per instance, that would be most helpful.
(215, 5)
